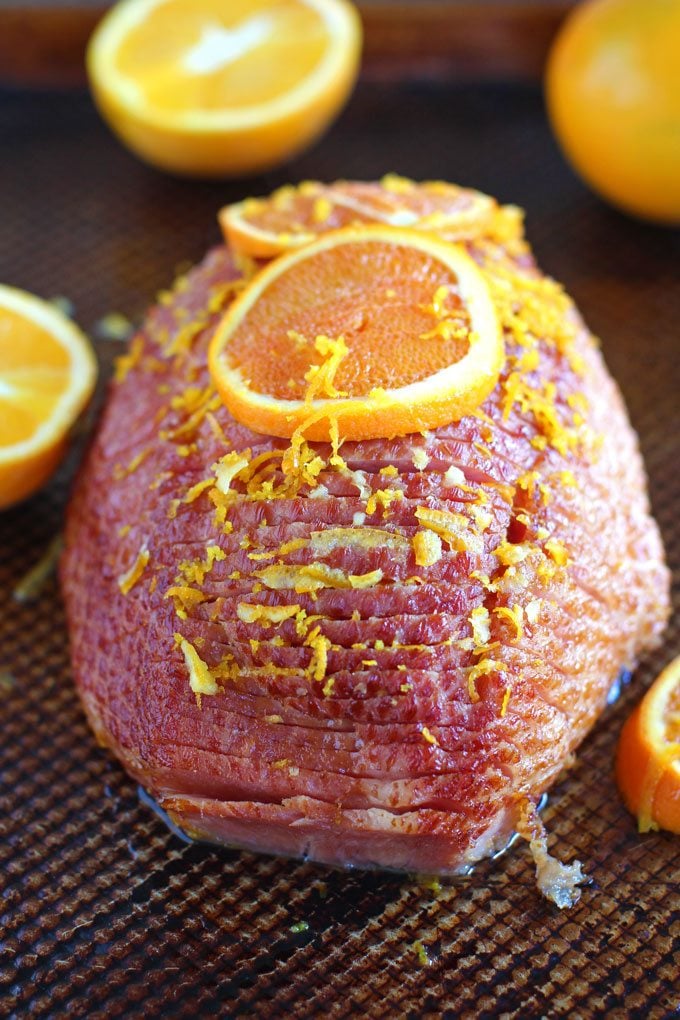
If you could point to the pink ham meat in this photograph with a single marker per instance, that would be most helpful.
(410, 722)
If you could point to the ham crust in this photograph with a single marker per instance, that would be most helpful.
(286, 666)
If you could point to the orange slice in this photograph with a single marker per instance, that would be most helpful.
(212, 88)
(47, 374)
(294, 216)
(379, 330)
(648, 760)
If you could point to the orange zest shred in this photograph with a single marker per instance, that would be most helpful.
(557, 552)
(511, 553)
(420, 460)
(265, 615)
(453, 528)
(201, 680)
(185, 599)
(31, 585)
(383, 498)
(124, 364)
(129, 578)
(429, 737)
(194, 571)
(196, 490)
(188, 428)
(482, 518)
(427, 548)
(366, 538)
(479, 621)
(320, 646)
(484, 667)
(515, 617)
(228, 468)
(315, 576)
(320, 377)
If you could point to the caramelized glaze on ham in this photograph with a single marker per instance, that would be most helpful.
(408, 718)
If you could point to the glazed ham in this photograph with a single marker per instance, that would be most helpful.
(384, 663)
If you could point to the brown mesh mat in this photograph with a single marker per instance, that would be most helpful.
(103, 912)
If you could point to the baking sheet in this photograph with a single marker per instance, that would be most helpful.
(103, 912)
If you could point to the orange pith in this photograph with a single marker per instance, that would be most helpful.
(648, 760)
(382, 330)
(293, 216)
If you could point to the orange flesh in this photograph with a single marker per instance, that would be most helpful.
(243, 53)
(29, 390)
(329, 295)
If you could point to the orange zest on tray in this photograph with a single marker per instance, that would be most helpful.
(47, 374)
(648, 759)
(366, 332)
(294, 216)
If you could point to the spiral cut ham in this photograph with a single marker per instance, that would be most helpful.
(377, 655)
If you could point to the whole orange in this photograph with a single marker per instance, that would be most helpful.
(613, 95)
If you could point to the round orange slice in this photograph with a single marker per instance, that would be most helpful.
(47, 374)
(294, 216)
(377, 330)
(648, 759)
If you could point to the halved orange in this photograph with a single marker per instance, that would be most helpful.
(648, 759)
(47, 374)
(214, 88)
(380, 330)
(294, 216)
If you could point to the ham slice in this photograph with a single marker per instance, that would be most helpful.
(287, 667)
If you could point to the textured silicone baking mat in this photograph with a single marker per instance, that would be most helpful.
(103, 912)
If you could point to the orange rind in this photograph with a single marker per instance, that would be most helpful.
(648, 759)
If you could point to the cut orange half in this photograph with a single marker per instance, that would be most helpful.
(648, 759)
(380, 330)
(294, 216)
(47, 374)
(212, 88)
